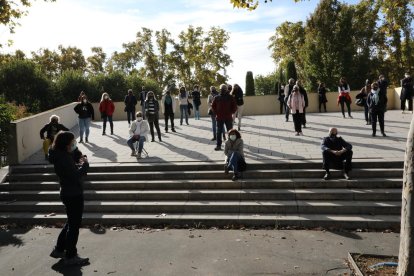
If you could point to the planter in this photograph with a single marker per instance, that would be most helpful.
(360, 264)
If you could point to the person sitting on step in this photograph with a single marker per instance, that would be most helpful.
(334, 151)
(138, 133)
(233, 150)
(51, 129)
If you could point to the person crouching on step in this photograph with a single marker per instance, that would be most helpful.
(233, 149)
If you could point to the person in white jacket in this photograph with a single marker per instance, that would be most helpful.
(138, 132)
(168, 106)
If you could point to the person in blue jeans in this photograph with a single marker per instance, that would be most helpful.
(85, 112)
(233, 150)
(183, 100)
(70, 170)
(138, 132)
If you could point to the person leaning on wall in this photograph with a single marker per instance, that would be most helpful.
(51, 129)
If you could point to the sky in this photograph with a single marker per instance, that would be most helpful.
(110, 23)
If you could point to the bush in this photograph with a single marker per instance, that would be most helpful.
(69, 85)
(114, 83)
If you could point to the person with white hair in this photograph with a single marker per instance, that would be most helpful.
(335, 150)
(51, 129)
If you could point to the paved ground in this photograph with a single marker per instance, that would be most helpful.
(266, 138)
(197, 252)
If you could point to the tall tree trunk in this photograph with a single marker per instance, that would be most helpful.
(406, 256)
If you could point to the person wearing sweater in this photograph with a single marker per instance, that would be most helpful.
(85, 112)
(296, 104)
(107, 108)
(233, 150)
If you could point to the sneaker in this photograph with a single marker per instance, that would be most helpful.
(346, 176)
(160, 139)
(86, 140)
(235, 177)
(383, 134)
(152, 140)
(327, 176)
(344, 117)
(301, 133)
(350, 117)
(103, 133)
(133, 153)
(81, 140)
(57, 254)
(75, 261)
(173, 130)
(217, 148)
(297, 134)
(373, 135)
(304, 126)
(166, 131)
(112, 133)
(287, 120)
(139, 155)
(213, 139)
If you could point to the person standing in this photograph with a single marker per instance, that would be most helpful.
(407, 92)
(183, 100)
(138, 132)
(322, 96)
(85, 112)
(335, 150)
(51, 129)
(281, 98)
(152, 108)
(107, 108)
(130, 103)
(302, 91)
(237, 93)
(233, 150)
(142, 98)
(196, 102)
(70, 174)
(210, 98)
(344, 96)
(288, 91)
(377, 103)
(223, 107)
(296, 104)
(168, 106)
(363, 95)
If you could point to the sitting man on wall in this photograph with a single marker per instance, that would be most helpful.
(51, 129)
(335, 151)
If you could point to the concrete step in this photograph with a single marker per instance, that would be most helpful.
(297, 183)
(215, 219)
(188, 175)
(257, 207)
(215, 194)
(209, 166)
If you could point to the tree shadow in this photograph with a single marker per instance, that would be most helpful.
(10, 237)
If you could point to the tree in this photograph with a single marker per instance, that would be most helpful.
(48, 62)
(96, 61)
(249, 4)
(406, 254)
(71, 58)
(291, 71)
(265, 85)
(249, 84)
(69, 84)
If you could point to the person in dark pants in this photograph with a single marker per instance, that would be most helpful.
(288, 90)
(85, 112)
(152, 108)
(296, 104)
(377, 104)
(130, 103)
(224, 105)
(407, 93)
(281, 99)
(363, 95)
(233, 150)
(322, 96)
(70, 173)
(334, 152)
(107, 108)
(344, 97)
(142, 98)
(168, 106)
(302, 91)
(196, 95)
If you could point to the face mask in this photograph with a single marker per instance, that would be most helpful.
(106, 97)
(139, 119)
(73, 146)
(233, 137)
(85, 101)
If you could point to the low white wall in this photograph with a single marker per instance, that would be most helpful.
(25, 138)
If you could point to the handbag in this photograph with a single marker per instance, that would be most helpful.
(360, 102)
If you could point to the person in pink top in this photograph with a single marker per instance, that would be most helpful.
(107, 108)
(296, 104)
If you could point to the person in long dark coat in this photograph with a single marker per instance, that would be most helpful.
(407, 92)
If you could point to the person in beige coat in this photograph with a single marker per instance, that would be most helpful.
(138, 132)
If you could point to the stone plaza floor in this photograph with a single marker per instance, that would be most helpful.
(266, 138)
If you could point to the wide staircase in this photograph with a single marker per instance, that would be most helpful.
(278, 194)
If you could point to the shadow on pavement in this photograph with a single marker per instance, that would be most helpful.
(67, 270)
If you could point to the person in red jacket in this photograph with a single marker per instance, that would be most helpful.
(107, 108)
(224, 106)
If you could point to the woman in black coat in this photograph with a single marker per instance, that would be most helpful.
(70, 173)
(322, 96)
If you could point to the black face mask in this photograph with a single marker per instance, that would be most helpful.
(332, 136)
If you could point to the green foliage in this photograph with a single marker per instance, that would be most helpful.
(249, 84)
(69, 85)
(291, 71)
(21, 81)
(114, 83)
(265, 85)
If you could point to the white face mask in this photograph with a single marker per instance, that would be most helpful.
(106, 97)
(233, 137)
(139, 119)
(85, 101)
(73, 146)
